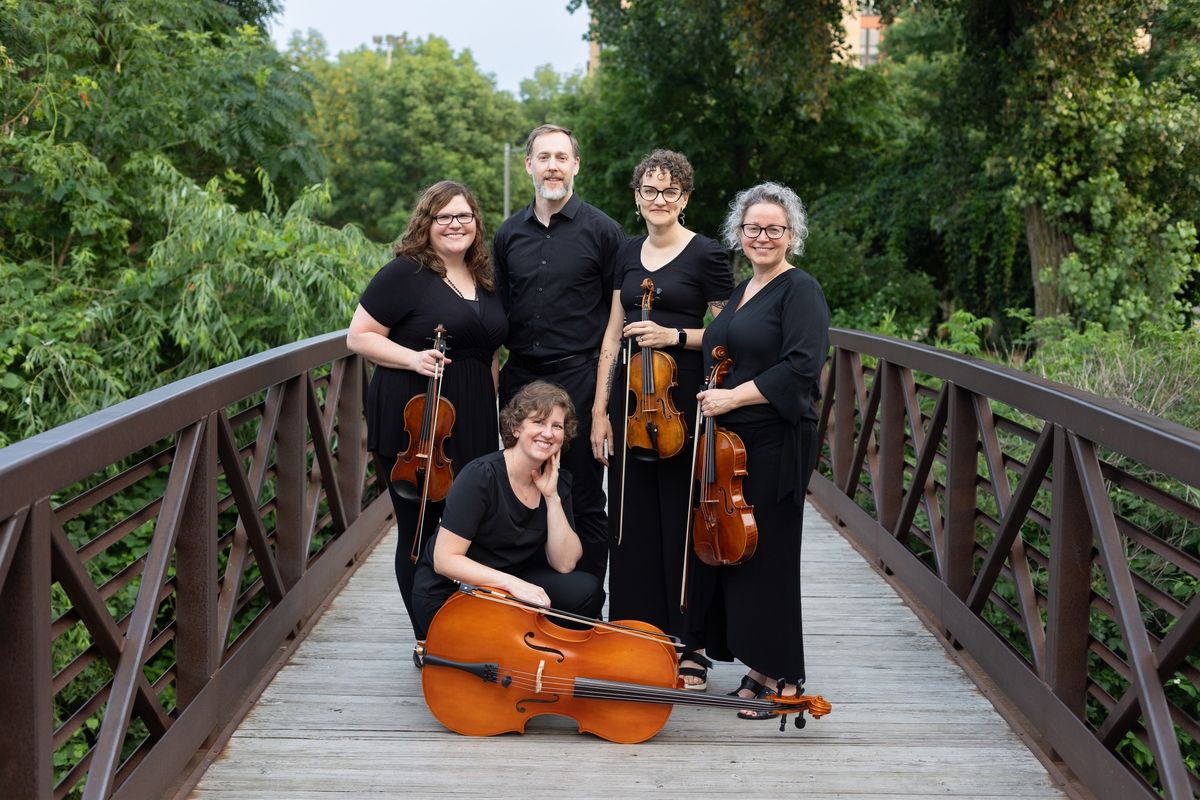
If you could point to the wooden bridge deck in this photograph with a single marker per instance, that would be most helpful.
(345, 716)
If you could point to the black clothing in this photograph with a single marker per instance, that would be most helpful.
(647, 562)
(556, 281)
(587, 493)
(779, 339)
(506, 535)
(411, 301)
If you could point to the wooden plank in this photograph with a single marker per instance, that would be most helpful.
(346, 717)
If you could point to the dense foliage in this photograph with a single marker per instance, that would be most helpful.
(154, 219)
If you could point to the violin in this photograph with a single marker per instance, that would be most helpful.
(491, 663)
(424, 470)
(656, 427)
(724, 530)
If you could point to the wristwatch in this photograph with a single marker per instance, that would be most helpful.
(682, 341)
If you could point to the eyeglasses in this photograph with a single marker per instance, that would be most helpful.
(751, 231)
(461, 219)
(650, 194)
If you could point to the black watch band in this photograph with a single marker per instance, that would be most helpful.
(682, 337)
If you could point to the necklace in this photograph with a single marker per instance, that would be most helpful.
(455, 289)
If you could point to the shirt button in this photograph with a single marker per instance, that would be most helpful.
(547, 236)
(543, 261)
(539, 288)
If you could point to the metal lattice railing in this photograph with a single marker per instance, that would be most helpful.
(155, 555)
(1052, 534)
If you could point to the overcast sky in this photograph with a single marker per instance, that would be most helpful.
(509, 38)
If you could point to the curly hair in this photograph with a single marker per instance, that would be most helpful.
(674, 164)
(415, 243)
(770, 192)
(537, 400)
(542, 130)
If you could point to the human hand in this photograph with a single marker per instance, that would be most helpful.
(529, 593)
(428, 362)
(602, 438)
(546, 479)
(714, 402)
(650, 334)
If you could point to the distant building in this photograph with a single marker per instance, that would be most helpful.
(864, 34)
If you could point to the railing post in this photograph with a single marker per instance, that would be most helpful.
(890, 489)
(26, 742)
(197, 651)
(841, 444)
(962, 462)
(291, 475)
(1068, 597)
(351, 457)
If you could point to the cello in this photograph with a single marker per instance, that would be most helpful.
(490, 663)
(423, 470)
(723, 528)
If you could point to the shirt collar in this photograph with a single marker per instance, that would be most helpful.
(569, 210)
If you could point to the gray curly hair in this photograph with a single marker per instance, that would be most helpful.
(768, 192)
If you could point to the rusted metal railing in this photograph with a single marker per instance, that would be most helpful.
(155, 556)
(1050, 533)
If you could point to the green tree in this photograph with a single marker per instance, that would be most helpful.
(395, 119)
(1094, 135)
(142, 233)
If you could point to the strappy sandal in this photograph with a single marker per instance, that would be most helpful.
(754, 714)
(750, 685)
(419, 655)
(700, 672)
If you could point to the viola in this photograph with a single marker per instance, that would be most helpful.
(656, 426)
(423, 470)
(491, 663)
(724, 530)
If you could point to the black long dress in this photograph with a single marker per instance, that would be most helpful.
(779, 339)
(647, 552)
(411, 301)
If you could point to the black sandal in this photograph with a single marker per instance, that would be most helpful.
(750, 685)
(752, 714)
(419, 655)
(700, 672)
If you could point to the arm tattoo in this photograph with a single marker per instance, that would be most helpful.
(718, 304)
(612, 373)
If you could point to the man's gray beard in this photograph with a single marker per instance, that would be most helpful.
(552, 194)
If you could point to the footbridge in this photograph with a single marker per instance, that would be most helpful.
(1000, 572)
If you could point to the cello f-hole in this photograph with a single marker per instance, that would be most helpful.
(542, 648)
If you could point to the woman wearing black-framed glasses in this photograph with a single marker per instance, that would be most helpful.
(776, 330)
(441, 275)
(647, 526)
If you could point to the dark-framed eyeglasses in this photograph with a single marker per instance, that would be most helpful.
(461, 219)
(752, 231)
(670, 194)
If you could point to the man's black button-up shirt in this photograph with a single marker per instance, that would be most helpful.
(556, 281)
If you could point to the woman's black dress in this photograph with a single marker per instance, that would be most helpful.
(779, 339)
(506, 535)
(646, 553)
(411, 301)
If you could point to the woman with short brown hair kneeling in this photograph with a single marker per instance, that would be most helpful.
(508, 522)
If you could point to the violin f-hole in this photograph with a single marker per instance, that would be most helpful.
(529, 635)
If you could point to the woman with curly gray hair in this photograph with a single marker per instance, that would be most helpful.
(776, 330)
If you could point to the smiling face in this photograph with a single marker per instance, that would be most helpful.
(451, 242)
(539, 437)
(766, 254)
(659, 212)
(553, 165)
